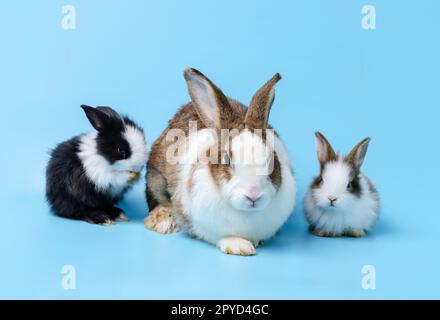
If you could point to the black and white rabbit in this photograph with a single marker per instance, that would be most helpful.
(88, 174)
(341, 200)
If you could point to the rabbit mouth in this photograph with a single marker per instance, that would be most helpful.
(329, 208)
(133, 176)
(251, 207)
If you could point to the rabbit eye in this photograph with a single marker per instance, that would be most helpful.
(349, 185)
(226, 159)
(122, 153)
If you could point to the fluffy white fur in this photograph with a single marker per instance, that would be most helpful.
(114, 177)
(350, 212)
(220, 215)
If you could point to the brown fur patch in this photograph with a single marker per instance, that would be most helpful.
(221, 172)
(276, 177)
(190, 183)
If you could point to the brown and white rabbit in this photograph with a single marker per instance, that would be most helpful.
(228, 201)
(341, 200)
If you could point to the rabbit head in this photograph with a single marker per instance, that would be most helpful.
(243, 163)
(338, 184)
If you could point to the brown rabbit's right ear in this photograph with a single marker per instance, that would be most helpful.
(210, 102)
(257, 116)
(324, 150)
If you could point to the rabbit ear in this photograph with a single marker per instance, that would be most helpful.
(324, 149)
(100, 117)
(357, 155)
(210, 102)
(257, 115)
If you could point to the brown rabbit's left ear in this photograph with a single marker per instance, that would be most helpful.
(357, 155)
(257, 115)
(209, 101)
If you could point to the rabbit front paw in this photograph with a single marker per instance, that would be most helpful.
(355, 233)
(101, 218)
(118, 214)
(236, 245)
(161, 220)
(324, 234)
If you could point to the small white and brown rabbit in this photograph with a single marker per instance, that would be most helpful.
(87, 175)
(228, 201)
(341, 200)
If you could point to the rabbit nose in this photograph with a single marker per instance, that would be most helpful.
(253, 199)
(254, 194)
(332, 200)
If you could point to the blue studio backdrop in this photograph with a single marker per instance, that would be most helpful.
(339, 76)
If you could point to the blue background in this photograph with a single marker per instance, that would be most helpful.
(337, 77)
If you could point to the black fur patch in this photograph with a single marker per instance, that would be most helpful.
(111, 143)
(69, 191)
(354, 186)
(316, 182)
